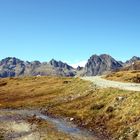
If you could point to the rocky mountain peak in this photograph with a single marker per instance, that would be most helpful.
(11, 67)
(35, 62)
(60, 64)
(133, 59)
(54, 63)
(105, 56)
(10, 61)
(79, 68)
(98, 65)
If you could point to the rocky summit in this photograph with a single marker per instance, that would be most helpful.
(98, 65)
(132, 60)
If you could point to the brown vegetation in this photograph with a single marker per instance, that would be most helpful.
(111, 112)
(124, 76)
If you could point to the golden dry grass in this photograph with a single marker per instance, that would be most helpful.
(124, 76)
(37, 92)
(109, 111)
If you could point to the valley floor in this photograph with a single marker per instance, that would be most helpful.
(106, 113)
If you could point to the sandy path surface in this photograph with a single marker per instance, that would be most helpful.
(100, 82)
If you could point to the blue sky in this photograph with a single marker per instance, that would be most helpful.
(69, 30)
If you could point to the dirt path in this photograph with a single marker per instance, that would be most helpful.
(97, 80)
(17, 128)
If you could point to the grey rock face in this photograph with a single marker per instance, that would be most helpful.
(133, 59)
(98, 65)
(12, 67)
(59, 64)
(79, 68)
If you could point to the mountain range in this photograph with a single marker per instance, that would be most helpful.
(96, 65)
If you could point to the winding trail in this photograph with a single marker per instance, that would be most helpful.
(100, 82)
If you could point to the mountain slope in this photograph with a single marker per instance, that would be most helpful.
(133, 59)
(132, 64)
(11, 67)
(98, 65)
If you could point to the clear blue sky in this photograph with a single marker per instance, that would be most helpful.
(69, 30)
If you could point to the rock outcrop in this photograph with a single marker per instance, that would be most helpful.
(98, 65)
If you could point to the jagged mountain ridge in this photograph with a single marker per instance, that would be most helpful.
(11, 67)
(132, 64)
(133, 59)
(96, 65)
(60, 64)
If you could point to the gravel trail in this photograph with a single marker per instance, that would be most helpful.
(100, 82)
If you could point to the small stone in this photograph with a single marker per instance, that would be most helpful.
(71, 119)
(120, 98)
(38, 75)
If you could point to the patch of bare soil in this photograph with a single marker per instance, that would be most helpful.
(32, 125)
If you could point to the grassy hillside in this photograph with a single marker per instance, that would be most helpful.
(125, 76)
(111, 112)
